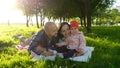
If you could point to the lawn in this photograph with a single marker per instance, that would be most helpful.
(105, 39)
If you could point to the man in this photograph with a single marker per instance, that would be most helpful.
(43, 39)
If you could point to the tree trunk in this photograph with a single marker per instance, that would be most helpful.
(89, 24)
(81, 21)
(84, 18)
(27, 21)
(100, 21)
(31, 21)
(49, 18)
(37, 20)
(60, 19)
(88, 15)
(63, 18)
(97, 21)
(36, 13)
(41, 20)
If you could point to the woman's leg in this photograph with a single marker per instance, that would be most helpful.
(69, 54)
(62, 49)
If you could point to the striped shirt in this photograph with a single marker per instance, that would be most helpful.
(41, 39)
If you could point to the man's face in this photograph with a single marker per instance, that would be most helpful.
(53, 30)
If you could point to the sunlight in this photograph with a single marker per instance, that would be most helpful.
(9, 11)
(6, 6)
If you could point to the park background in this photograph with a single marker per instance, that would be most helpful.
(98, 19)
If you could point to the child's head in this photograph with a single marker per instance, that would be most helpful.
(74, 27)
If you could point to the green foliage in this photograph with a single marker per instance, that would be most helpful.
(117, 19)
(111, 16)
(104, 39)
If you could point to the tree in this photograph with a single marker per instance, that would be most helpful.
(66, 9)
(26, 7)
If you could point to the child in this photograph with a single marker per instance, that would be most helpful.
(76, 41)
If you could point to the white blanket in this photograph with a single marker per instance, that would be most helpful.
(84, 58)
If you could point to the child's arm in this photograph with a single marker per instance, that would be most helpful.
(82, 43)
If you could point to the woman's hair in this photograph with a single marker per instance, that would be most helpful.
(59, 31)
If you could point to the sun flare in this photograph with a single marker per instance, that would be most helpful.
(6, 6)
(9, 11)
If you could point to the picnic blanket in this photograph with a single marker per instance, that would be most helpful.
(84, 58)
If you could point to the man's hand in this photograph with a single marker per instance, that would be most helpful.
(48, 53)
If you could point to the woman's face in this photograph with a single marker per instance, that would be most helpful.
(65, 31)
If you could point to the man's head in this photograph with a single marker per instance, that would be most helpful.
(51, 29)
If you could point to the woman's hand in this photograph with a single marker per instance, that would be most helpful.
(61, 44)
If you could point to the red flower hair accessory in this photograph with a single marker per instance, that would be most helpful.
(74, 24)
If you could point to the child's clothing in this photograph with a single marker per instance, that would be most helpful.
(76, 41)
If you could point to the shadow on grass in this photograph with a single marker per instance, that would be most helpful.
(114, 38)
(5, 44)
(64, 63)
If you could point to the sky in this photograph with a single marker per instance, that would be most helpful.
(9, 12)
(117, 5)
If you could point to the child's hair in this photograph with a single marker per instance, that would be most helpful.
(74, 24)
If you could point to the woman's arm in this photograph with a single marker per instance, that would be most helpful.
(61, 44)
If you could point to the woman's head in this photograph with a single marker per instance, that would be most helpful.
(64, 29)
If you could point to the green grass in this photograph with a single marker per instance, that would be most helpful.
(106, 41)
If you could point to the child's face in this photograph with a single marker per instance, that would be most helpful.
(74, 30)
